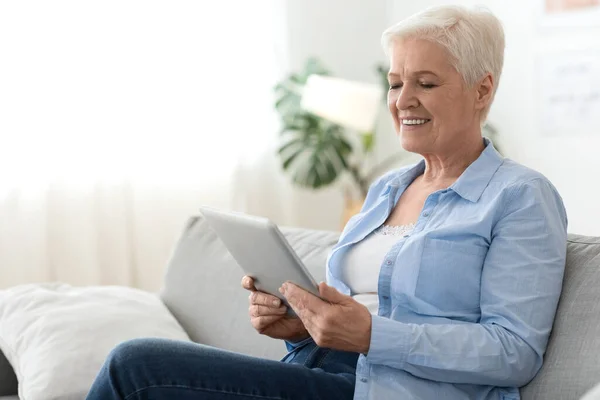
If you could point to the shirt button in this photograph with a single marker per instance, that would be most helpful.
(364, 380)
(386, 297)
(426, 214)
(388, 262)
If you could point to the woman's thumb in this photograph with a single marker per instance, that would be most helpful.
(330, 293)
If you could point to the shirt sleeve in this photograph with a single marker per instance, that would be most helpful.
(520, 287)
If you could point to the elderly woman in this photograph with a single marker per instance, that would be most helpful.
(445, 285)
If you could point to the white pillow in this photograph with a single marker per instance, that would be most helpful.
(57, 336)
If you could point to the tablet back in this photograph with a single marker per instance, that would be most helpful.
(260, 249)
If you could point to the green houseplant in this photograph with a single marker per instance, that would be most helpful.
(316, 152)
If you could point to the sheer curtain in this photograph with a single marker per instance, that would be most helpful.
(119, 118)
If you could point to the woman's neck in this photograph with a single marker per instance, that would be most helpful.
(441, 169)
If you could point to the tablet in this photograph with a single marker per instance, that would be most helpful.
(261, 250)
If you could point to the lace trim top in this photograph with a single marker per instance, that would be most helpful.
(400, 230)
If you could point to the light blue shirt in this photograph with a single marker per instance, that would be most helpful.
(467, 300)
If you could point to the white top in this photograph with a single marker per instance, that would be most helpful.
(363, 262)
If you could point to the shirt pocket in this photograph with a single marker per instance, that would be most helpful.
(449, 276)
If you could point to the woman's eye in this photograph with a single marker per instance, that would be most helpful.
(427, 85)
(395, 86)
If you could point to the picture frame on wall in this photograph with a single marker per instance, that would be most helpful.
(568, 87)
(569, 13)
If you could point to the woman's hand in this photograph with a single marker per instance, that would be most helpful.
(339, 322)
(268, 315)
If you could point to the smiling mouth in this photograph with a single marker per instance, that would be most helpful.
(414, 122)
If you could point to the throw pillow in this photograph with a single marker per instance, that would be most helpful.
(56, 337)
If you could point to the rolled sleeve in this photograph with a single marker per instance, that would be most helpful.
(388, 334)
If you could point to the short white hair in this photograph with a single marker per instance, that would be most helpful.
(474, 38)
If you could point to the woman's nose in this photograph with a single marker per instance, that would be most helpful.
(406, 99)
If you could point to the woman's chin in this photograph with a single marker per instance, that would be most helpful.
(413, 143)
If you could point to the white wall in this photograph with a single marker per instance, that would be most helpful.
(570, 161)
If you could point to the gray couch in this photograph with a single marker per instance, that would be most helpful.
(202, 290)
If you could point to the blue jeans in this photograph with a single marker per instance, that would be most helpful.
(165, 369)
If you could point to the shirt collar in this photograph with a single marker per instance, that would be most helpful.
(406, 177)
(471, 184)
(473, 181)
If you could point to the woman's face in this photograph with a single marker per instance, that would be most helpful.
(432, 108)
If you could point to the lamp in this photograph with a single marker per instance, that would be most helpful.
(348, 103)
(351, 104)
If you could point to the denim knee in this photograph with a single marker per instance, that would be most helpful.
(130, 353)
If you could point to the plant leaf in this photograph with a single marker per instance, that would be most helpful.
(368, 140)
(287, 161)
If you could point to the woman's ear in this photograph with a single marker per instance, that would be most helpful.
(485, 89)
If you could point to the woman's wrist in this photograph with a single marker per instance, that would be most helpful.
(299, 338)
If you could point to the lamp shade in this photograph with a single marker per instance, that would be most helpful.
(351, 104)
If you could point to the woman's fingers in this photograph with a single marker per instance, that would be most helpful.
(257, 297)
(264, 299)
(260, 323)
(262, 304)
(248, 283)
(256, 310)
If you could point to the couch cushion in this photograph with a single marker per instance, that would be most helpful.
(202, 287)
(571, 365)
